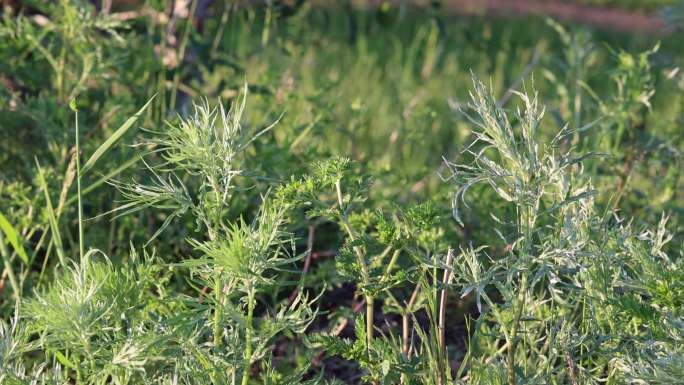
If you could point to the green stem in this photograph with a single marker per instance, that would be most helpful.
(79, 379)
(267, 24)
(8, 268)
(405, 329)
(219, 33)
(248, 334)
(61, 74)
(370, 314)
(217, 312)
(78, 190)
(442, 318)
(390, 265)
(362, 263)
(442, 301)
(513, 342)
(164, 31)
(181, 54)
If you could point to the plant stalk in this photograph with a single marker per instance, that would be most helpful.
(442, 317)
(442, 300)
(405, 328)
(78, 190)
(8, 269)
(364, 268)
(248, 334)
(222, 25)
(513, 343)
(217, 312)
(391, 264)
(181, 54)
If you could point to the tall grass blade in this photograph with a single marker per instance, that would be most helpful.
(103, 179)
(72, 104)
(52, 218)
(113, 138)
(13, 238)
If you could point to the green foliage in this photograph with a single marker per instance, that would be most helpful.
(371, 213)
